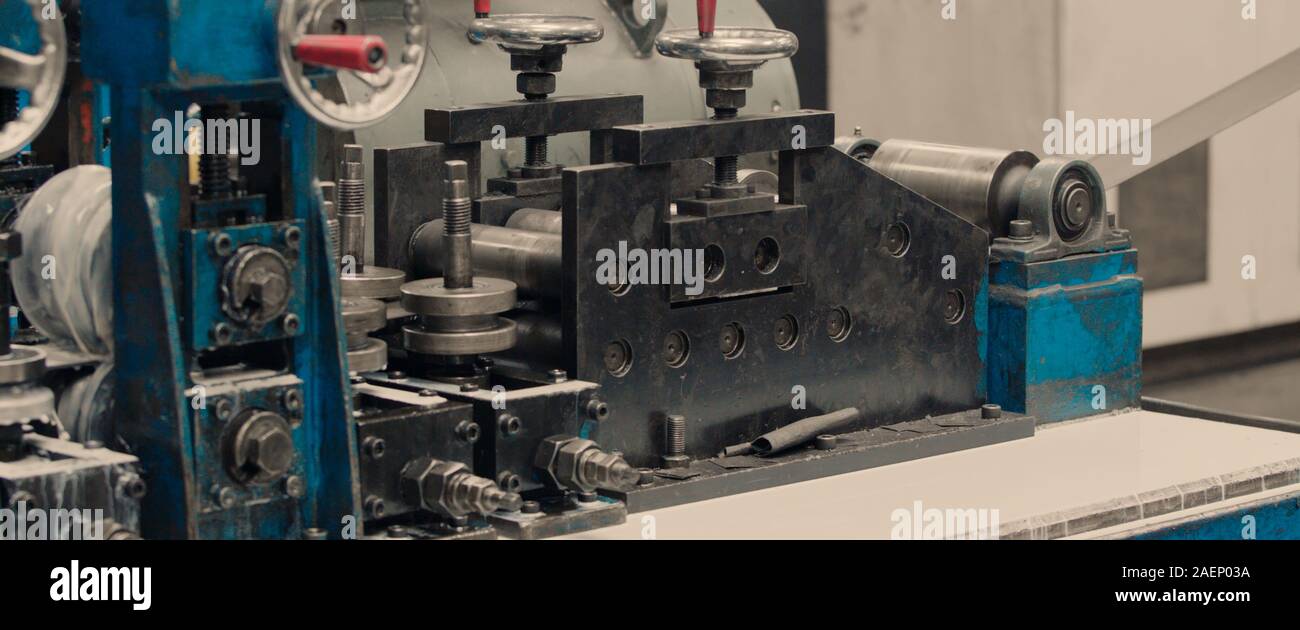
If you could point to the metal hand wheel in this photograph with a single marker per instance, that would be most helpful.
(531, 31)
(731, 46)
(365, 56)
(41, 75)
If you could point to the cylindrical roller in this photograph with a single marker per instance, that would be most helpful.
(539, 338)
(537, 220)
(980, 185)
(532, 260)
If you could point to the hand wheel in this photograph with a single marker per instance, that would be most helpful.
(365, 56)
(531, 31)
(731, 48)
(41, 75)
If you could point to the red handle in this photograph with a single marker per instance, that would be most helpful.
(482, 8)
(363, 53)
(707, 13)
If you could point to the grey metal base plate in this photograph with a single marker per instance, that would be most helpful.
(559, 518)
(712, 478)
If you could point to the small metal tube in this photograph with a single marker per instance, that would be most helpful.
(805, 430)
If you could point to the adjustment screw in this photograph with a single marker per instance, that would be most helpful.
(509, 424)
(597, 409)
(292, 401)
(374, 506)
(291, 324)
(374, 447)
(295, 487)
(221, 333)
(467, 431)
(292, 236)
(225, 497)
(223, 408)
(675, 443)
(222, 244)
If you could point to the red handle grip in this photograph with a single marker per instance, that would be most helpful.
(482, 7)
(363, 53)
(707, 13)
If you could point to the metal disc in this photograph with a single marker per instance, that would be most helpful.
(431, 298)
(22, 365)
(371, 357)
(495, 339)
(363, 315)
(373, 282)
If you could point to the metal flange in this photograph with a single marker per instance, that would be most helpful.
(380, 283)
(432, 298)
(501, 335)
(372, 356)
(21, 365)
(363, 315)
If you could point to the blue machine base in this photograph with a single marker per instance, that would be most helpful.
(1065, 336)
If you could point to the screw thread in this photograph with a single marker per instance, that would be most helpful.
(675, 435)
(537, 150)
(214, 168)
(726, 169)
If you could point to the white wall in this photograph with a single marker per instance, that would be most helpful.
(993, 75)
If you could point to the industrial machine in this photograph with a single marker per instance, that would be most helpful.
(379, 308)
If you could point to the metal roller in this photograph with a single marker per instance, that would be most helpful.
(549, 221)
(981, 185)
(531, 260)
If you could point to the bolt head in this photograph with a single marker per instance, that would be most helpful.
(291, 324)
(295, 487)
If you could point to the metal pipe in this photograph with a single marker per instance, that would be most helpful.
(537, 220)
(980, 185)
(532, 260)
(796, 433)
(1217, 415)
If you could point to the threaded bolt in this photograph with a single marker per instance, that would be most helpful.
(726, 170)
(351, 205)
(458, 253)
(675, 443)
(536, 150)
(214, 168)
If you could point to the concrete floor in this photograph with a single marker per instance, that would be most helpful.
(1268, 390)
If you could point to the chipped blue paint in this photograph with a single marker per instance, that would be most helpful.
(1275, 520)
(158, 56)
(1059, 329)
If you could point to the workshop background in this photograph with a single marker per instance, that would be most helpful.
(995, 73)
